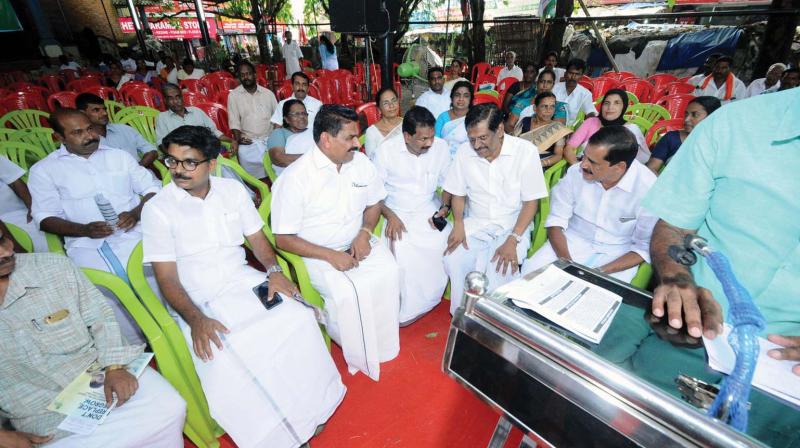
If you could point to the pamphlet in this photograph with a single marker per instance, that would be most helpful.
(585, 309)
(83, 401)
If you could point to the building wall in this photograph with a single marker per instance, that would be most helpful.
(78, 14)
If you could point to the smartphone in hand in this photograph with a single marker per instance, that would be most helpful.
(439, 222)
(261, 291)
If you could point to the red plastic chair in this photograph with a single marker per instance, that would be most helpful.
(660, 128)
(106, 93)
(218, 114)
(660, 80)
(639, 87)
(222, 97)
(480, 68)
(24, 86)
(627, 75)
(486, 78)
(145, 96)
(483, 98)
(676, 104)
(128, 87)
(69, 74)
(220, 74)
(496, 70)
(370, 113)
(78, 85)
(192, 85)
(25, 100)
(325, 87)
(54, 83)
(586, 84)
(284, 91)
(193, 98)
(602, 85)
(612, 74)
(679, 88)
(62, 100)
(346, 89)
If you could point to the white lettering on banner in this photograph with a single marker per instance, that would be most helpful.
(187, 28)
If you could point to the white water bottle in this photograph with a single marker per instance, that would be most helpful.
(107, 210)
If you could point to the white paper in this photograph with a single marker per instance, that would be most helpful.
(772, 376)
(568, 301)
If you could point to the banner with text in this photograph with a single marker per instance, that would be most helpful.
(187, 28)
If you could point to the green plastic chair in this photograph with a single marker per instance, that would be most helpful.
(204, 430)
(22, 154)
(54, 243)
(539, 234)
(7, 134)
(141, 118)
(113, 108)
(271, 174)
(579, 120)
(39, 137)
(24, 119)
(632, 100)
(643, 275)
(20, 236)
(650, 112)
(643, 124)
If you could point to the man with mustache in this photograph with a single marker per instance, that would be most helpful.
(64, 186)
(300, 84)
(596, 218)
(412, 166)
(54, 325)
(577, 97)
(502, 178)
(325, 206)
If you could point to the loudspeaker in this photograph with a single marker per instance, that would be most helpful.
(363, 16)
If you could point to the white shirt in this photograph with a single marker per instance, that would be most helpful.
(759, 86)
(64, 185)
(739, 90)
(495, 191)
(321, 205)
(197, 73)
(312, 107)
(292, 55)
(203, 236)
(411, 181)
(434, 102)
(514, 72)
(159, 66)
(129, 65)
(579, 100)
(605, 217)
(9, 173)
(301, 143)
(558, 71)
(696, 79)
(124, 137)
(70, 66)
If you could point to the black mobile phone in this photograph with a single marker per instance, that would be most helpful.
(439, 222)
(261, 291)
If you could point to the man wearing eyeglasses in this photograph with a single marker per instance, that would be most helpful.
(65, 187)
(299, 92)
(257, 355)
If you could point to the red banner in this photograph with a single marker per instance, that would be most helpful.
(187, 29)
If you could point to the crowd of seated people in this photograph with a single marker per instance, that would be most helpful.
(381, 226)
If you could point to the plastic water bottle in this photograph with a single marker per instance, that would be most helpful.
(107, 210)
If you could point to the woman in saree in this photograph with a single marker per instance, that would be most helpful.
(390, 124)
(549, 136)
(450, 123)
(544, 83)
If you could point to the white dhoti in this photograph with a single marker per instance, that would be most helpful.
(419, 255)
(251, 158)
(153, 418)
(482, 245)
(362, 306)
(20, 219)
(583, 252)
(274, 381)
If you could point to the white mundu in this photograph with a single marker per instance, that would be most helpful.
(64, 185)
(323, 206)
(600, 225)
(12, 209)
(258, 388)
(495, 192)
(411, 182)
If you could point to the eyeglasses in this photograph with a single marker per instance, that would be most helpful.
(188, 164)
(298, 114)
(389, 102)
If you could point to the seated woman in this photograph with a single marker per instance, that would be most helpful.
(390, 124)
(521, 91)
(450, 123)
(454, 74)
(545, 133)
(696, 111)
(295, 121)
(612, 113)
(519, 110)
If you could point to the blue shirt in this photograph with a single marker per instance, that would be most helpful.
(124, 137)
(667, 146)
(736, 181)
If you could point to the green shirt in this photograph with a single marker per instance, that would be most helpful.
(38, 359)
(736, 180)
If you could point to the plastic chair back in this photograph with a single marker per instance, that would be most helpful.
(222, 97)
(78, 85)
(192, 85)
(551, 177)
(326, 90)
(62, 100)
(370, 113)
(113, 108)
(676, 104)
(20, 236)
(146, 97)
(218, 114)
(650, 112)
(484, 79)
(660, 128)
(660, 80)
(106, 93)
(486, 96)
(42, 138)
(602, 85)
(480, 68)
(641, 88)
(643, 124)
(588, 85)
(69, 74)
(25, 100)
(193, 98)
(23, 155)
(24, 119)
(284, 91)
(53, 82)
(679, 88)
(141, 118)
(627, 75)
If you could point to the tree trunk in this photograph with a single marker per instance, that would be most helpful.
(466, 35)
(261, 32)
(778, 36)
(554, 39)
(477, 8)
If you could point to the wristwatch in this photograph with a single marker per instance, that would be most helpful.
(114, 367)
(273, 269)
(516, 237)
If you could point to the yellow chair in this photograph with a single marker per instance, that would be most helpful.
(271, 174)
(55, 244)
(539, 234)
(39, 137)
(113, 108)
(141, 118)
(22, 154)
(24, 119)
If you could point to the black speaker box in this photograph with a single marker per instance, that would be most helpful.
(363, 16)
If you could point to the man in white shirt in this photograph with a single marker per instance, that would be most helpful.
(412, 166)
(707, 68)
(437, 98)
(551, 62)
(15, 203)
(300, 84)
(162, 61)
(126, 61)
(67, 63)
(577, 97)
(250, 108)
(245, 341)
(178, 115)
(324, 208)
(291, 54)
(722, 83)
(596, 218)
(115, 135)
(770, 83)
(501, 177)
(189, 71)
(65, 187)
(510, 69)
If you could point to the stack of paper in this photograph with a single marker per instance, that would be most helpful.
(773, 376)
(568, 301)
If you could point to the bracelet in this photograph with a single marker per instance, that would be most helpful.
(114, 367)
(369, 232)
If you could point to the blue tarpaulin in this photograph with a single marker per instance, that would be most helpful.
(692, 49)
